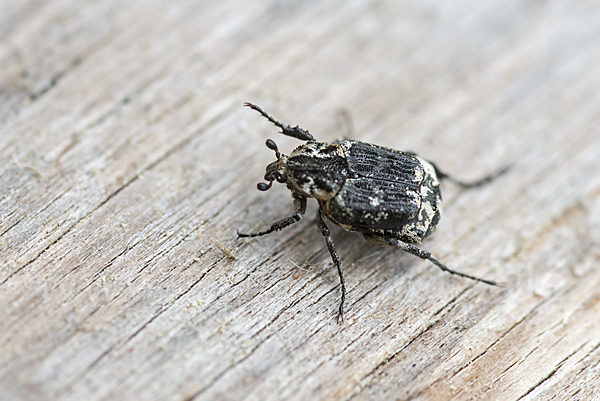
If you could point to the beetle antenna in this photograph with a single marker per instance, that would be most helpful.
(273, 146)
(294, 132)
(261, 186)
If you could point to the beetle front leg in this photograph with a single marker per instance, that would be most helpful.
(336, 260)
(299, 210)
(426, 255)
(294, 132)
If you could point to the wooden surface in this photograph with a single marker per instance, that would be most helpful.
(125, 150)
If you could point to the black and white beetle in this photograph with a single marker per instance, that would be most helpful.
(390, 197)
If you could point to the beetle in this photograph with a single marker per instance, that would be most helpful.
(389, 196)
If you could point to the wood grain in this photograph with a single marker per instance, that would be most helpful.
(125, 150)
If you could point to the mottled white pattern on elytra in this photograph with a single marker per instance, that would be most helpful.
(374, 201)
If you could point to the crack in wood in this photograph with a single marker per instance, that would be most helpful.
(552, 373)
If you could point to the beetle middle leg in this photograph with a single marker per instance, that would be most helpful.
(336, 260)
(299, 210)
(426, 255)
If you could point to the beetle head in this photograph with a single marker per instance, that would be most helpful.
(276, 170)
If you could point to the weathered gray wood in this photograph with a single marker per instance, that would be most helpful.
(124, 150)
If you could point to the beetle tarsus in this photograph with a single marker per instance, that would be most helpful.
(444, 268)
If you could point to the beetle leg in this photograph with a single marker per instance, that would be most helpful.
(336, 261)
(443, 176)
(299, 210)
(426, 255)
(294, 132)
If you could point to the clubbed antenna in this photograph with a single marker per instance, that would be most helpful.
(273, 146)
(261, 186)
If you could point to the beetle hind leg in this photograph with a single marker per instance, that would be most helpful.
(413, 250)
(299, 210)
(482, 181)
(336, 260)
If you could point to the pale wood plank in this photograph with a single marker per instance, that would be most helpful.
(125, 149)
